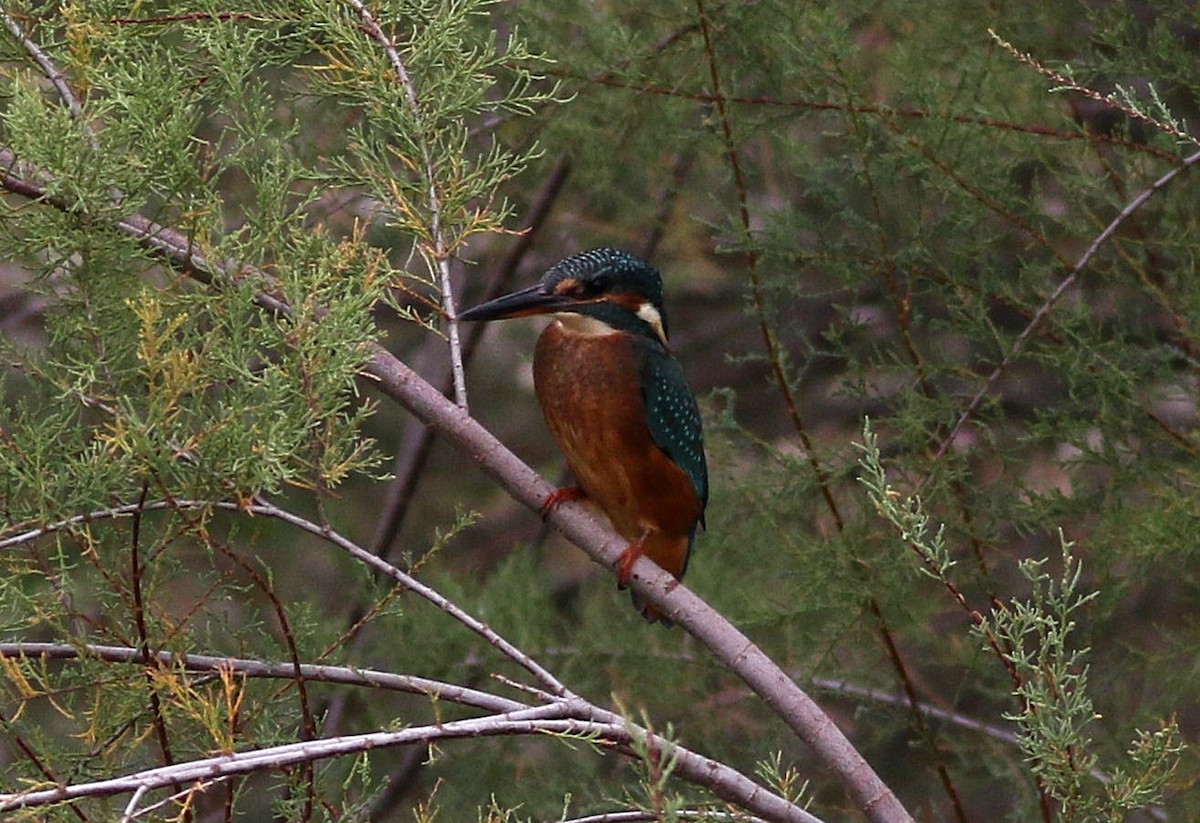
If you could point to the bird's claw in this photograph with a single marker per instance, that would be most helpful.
(567, 494)
(625, 562)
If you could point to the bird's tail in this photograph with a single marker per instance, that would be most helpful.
(670, 552)
(647, 611)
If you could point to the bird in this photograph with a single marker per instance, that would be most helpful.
(617, 403)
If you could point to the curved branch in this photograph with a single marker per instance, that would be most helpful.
(344, 675)
(548, 681)
(724, 781)
(207, 769)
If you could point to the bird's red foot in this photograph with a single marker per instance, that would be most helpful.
(567, 494)
(628, 557)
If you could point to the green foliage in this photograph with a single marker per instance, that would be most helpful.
(888, 211)
(907, 516)
(145, 386)
(1056, 709)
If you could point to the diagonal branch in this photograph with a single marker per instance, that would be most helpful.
(724, 781)
(139, 617)
(1048, 305)
(48, 67)
(416, 445)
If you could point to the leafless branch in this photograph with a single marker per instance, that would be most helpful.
(415, 446)
(131, 806)
(1051, 301)
(265, 509)
(598, 725)
(48, 67)
(437, 689)
(439, 251)
(724, 781)
(524, 721)
(652, 817)
(538, 720)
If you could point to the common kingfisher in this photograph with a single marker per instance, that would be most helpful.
(617, 403)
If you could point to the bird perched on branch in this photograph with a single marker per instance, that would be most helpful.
(617, 403)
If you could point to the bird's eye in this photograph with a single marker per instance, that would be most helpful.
(597, 285)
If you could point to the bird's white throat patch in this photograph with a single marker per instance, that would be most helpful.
(583, 325)
(588, 326)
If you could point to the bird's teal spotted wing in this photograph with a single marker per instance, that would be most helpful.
(673, 416)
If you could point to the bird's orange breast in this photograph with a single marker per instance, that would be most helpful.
(587, 385)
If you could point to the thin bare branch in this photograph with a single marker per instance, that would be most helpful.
(143, 633)
(266, 509)
(724, 781)
(652, 817)
(32, 756)
(135, 813)
(131, 806)
(552, 719)
(415, 447)
(540, 673)
(524, 721)
(48, 67)
(345, 675)
(1052, 300)
(439, 251)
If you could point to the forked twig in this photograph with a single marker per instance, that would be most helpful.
(439, 249)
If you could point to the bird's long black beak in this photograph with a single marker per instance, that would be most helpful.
(519, 304)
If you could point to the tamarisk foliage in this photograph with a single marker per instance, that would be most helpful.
(249, 568)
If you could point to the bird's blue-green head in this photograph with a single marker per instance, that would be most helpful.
(594, 292)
